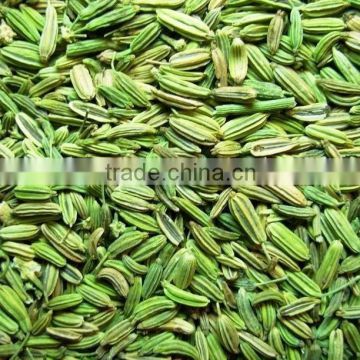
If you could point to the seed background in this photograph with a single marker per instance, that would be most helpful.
(177, 272)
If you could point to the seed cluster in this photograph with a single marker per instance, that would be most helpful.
(179, 272)
(180, 78)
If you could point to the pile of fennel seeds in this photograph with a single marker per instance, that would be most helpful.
(179, 78)
(170, 273)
